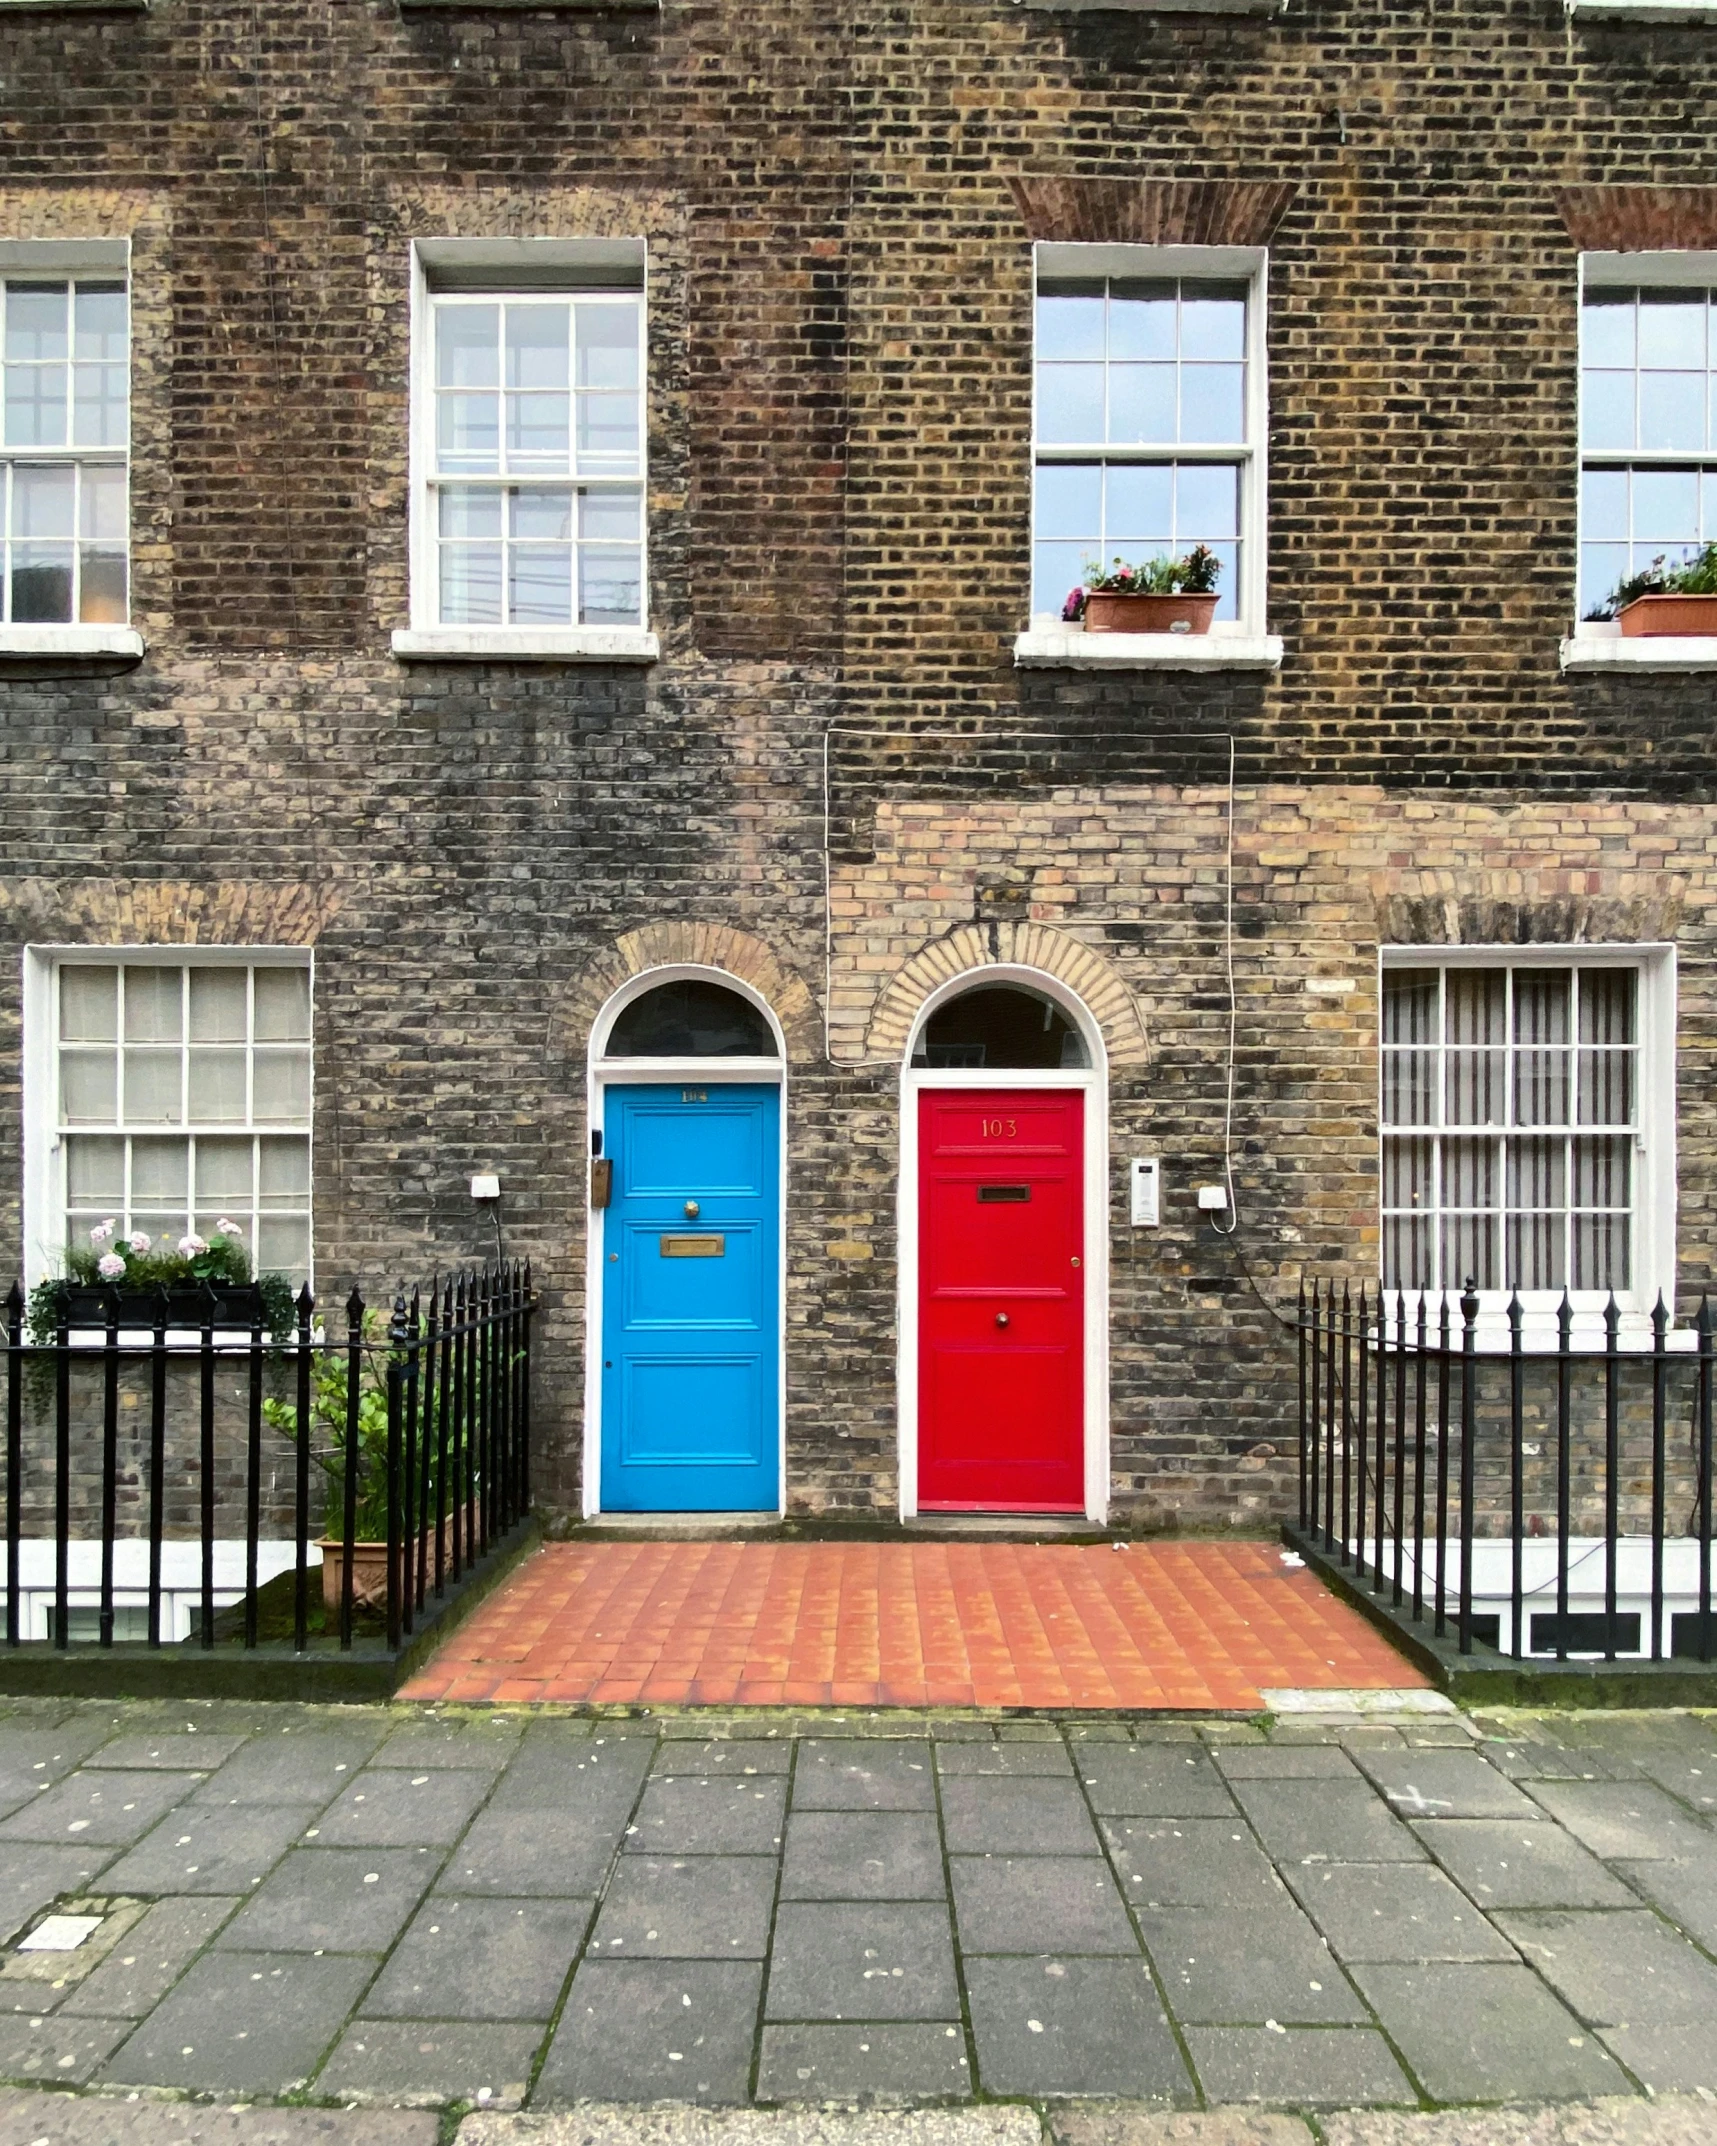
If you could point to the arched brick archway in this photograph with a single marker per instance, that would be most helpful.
(706, 946)
(973, 947)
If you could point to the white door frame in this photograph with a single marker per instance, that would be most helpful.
(1093, 1083)
(603, 1072)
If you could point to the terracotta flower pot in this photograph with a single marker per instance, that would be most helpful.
(370, 1562)
(1692, 616)
(1148, 614)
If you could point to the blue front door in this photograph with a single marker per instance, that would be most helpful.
(691, 1282)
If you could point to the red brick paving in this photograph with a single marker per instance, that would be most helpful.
(1198, 1625)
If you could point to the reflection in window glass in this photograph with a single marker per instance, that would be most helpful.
(542, 397)
(1510, 1103)
(1000, 1025)
(692, 1018)
(184, 1102)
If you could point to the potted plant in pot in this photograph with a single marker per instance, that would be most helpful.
(1162, 596)
(197, 1281)
(1667, 599)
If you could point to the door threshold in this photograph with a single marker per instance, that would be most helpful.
(1015, 1526)
(702, 1526)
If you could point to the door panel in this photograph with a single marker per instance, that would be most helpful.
(690, 1306)
(1001, 1376)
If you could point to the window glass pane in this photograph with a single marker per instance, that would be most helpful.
(539, 584)
(542, 516)
(153, 1005)
(1139, 507)
(282, 1087)
(468, 346)
(1207, 504)
(1665, 505)
(285, 1173)
(610, 586)
(162, 1226)
(1607, 1058)
(1410, 1000)
(89, 1088)
(1212, 320)
(468, 432)
(42, 495)
(1409, 1174)
(1141, 319)
(1672, 411)
(538, 428)
(89, 1004)
(1141, 405)
(223, 1179)
(609, 517)
(1070, 320)
(152, 1080)
(1070, 403)
(1407, 1251)
(470, 584)
(1603, 1252)
(41, 590)
(1672, 330)
(95, 1171)
(1212, 403)
(36, 322)
(1607, 328)
(160, 1173)
(608, 427)
(283, 1247)
(1000, 1025)
(217, 1082)
(1069, 501)
(283, 1005)
(1057, 570)
(36, 371)
(99, 375)
(1469, 1251)
(1603, 567)
(103, 588)
(538, 348)
(1604, 504)
(220, 1001)
(471, 510)
(1541, 1058)
(608, 346)
(690, 1019)
(1607, 409)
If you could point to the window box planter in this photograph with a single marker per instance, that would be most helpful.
(236, 1304)
(1688, 617)
(1148, 614)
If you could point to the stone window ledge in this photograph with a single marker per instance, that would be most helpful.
(1161, 7)
(35, 641)
(74, 7)
(1645, 10)
(1643, 652)
(527, 644)
(561, 7)
(1071, 648)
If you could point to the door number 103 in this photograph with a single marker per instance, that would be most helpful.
(1000, 1128)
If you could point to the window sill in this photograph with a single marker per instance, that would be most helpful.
(527, 644)
(1641, 652)
(1645, 10)
(1162, 7)
(38, 641)
(74, 7)
(538, 7)
(1070, 648)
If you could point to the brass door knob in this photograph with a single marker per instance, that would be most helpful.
(691, 1210)
(1001, 1318)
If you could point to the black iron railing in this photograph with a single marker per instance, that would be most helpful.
(150, 1467)
(1447, 1464)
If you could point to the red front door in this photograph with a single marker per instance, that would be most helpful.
(1001, 1293)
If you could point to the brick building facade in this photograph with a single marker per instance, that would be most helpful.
(839, 763)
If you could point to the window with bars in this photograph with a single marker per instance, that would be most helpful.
(1648, 431)
(1143, 428)
(536, 427)
(1511, 1127)
(64, 433)
(182, 1101)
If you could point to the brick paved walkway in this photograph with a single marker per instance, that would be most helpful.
(1185, 1626)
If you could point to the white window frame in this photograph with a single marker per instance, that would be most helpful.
(1243, 641)
(44, 1153)
(91, 260)
(1598, 644)
(1654, 1174)
(515, 269)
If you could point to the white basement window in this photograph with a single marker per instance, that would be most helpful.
(529, 448)
(1648, 445)
(179, 1097)
(64, 450)
(1527, 1126)
(1149, 423)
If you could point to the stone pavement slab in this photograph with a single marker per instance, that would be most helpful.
(1484, 2033)
(28, 2119)
(186, 1753)
(284, 1768)
(1046, 2027)
(210, 1848)
(862, 1960)
(98, 1808)
(1672, 2059)
(33, 1756)
(1444, 1784)
(847, 1776)
(986, 1816)
(243, 2022)
(1152, 1781)
(731, 1756)
(1634, 1819)
(701, 1907)
(525, 1853)
(33, 1875)
(1685, 1891)
(435, 2060)
(902, 2060)
(1063, 1904)
(138, 1973)
(393, 1807)
(334, 1900)
(1017, 1759)
(1192, 1862)
(1616, 1967)
(655, 2030)
(1284, 1761)
(1229, 1966)
(1503, 1865)
(1395, 1911)
(694, 1814)
(481, 1959)
(1303, 2067)
(625, 2126)
(478, 1739)
(1340, 1821)
(68, 2050)
(862, 1855)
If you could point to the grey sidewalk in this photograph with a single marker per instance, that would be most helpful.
(401, 1906)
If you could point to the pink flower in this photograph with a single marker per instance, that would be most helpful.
(189, 1247)
(110, 1267)
(138, 1240)
(103, 1231)
(228, 1229)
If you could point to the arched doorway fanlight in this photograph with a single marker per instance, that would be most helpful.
(1000, 1026)
(691, 1018)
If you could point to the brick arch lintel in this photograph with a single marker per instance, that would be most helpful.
(971, 948)
(1151, 212)
(718, 947)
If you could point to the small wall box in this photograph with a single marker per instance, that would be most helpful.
(485, 1188)
(1145, 1190)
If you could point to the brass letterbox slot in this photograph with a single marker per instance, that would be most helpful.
(694, 1247)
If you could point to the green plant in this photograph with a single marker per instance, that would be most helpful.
(1693, 577)
(1196, 573)
(329, 1392)
(136, 1263)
